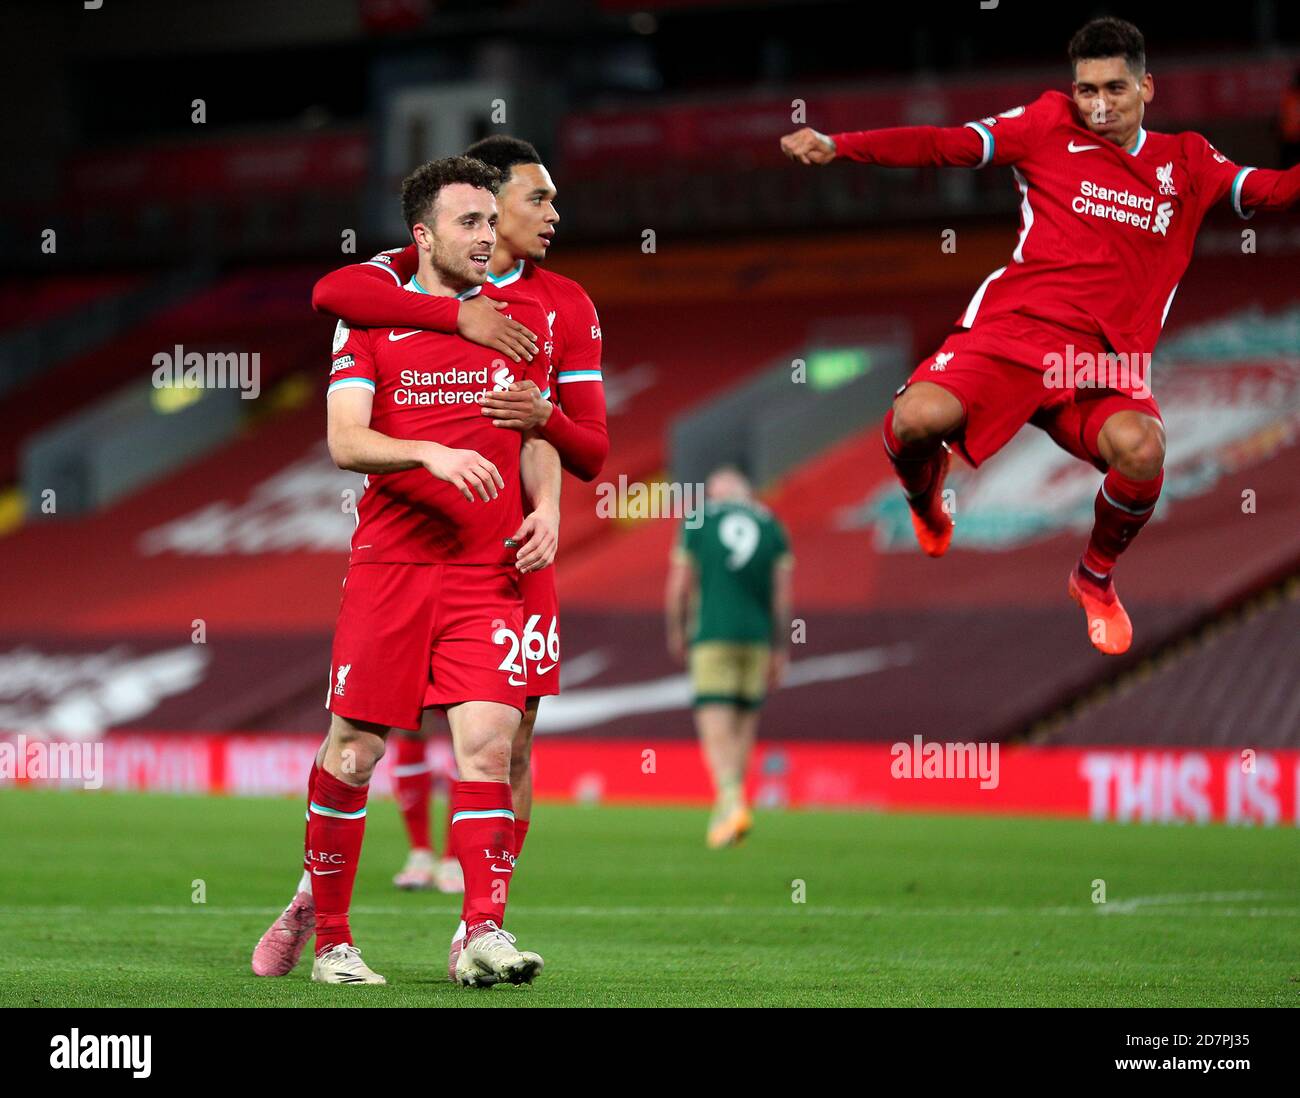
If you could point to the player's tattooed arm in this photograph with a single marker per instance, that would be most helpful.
(539, 534)
(355, 446)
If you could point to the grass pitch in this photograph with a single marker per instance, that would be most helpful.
(630, 909)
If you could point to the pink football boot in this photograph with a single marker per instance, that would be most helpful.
(279, 949)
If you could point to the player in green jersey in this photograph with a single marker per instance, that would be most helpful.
(728, 603)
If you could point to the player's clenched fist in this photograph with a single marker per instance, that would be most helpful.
(808, 146)
(470, 472)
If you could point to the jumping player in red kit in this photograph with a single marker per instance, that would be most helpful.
(432, 613)
(1061, 337)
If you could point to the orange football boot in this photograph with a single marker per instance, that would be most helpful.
(731, 829)
(934, 526)
(1109, 627)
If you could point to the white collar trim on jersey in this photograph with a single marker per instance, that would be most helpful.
(415, 287)
(1142, 140)
(516, 272)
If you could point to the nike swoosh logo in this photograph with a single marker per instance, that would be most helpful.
(543, 670)
(582, 708)
(1073, 148)
(393, 337)
(500, 868)
(517, 682)
(324, 872)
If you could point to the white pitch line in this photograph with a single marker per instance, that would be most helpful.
(1177, 899)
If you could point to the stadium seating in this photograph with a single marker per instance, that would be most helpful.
(252, 538)
(258, 311)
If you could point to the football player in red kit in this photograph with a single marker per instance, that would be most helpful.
(431, 600)
(571, 416)
(1062, 336)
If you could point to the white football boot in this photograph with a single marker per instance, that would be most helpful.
(453, 955)
(419, 872)
(449, 876)
(490, 957)
(343, 965)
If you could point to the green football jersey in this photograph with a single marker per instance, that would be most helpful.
(735, 549)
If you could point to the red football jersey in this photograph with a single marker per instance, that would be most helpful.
(1105, 233)
(577, 427)
(427, 385)
(571, 319)
(574, 345)
(572, 324)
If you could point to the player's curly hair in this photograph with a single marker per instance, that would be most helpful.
(420, 188)
(1109, 37)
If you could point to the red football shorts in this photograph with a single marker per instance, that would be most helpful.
(541, 636)
(996, 370)
(415, 635)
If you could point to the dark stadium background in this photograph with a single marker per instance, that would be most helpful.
(651, 116)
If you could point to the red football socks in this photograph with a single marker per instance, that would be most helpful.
(306, 838)
(482, 835)
(517, 846)
(447, 851)
(413, 787)
(1122, 508)
(521, 833)
(915, 463)
(336, 824)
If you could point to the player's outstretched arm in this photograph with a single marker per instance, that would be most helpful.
(1005, 138)
(539, 534)
(355, 446)
(1247, 188)
(1269, 189)
(370, 295)
(807, 146)
(906, 147)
